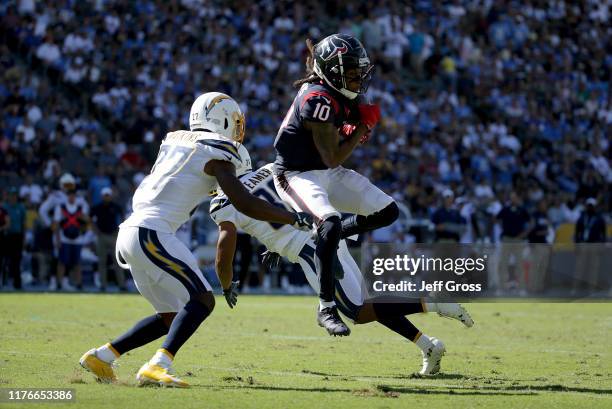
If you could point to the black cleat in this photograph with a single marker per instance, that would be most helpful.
(329, 319)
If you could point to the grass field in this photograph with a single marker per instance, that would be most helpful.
(269, 353)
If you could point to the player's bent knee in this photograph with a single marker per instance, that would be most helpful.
(167, 317)
(207, 299)
(365, 314)
(329, 230)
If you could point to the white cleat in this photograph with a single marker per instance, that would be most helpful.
(432, 357)
(455, 311)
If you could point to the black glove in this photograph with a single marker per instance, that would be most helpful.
(231, 294)
(270, 259)
(303, 221)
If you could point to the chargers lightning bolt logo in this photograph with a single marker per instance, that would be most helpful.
(214, 102)
(156, 253)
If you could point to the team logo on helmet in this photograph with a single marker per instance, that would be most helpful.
(214, 102)
(333, 46)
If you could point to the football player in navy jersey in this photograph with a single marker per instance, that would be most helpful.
(322, 127)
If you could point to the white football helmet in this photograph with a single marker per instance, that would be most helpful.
(67, 179)
(246, 166)
(218, 113)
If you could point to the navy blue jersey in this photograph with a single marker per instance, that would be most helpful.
(295, 147)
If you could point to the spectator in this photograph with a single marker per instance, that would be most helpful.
(14, 235)
(31, 191)
(105, 218)
(97, 183)
(5, 223)
(49, 52)
(45, 237)
(449, 223)
(541, 225)
(516, 225)
(539, 250)
(590, 231)
(525, 102)
(70, 221)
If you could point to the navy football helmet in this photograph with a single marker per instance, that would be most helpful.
(339, 55)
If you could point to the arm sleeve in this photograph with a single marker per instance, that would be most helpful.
(57, 214)
(43, 212)
(84, 206)
(319, 108)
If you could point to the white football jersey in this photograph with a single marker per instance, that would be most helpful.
(177, 183)
(279, 238)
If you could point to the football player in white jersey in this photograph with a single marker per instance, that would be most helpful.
(190, 164)
(299, 247)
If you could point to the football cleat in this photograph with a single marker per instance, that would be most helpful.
(102, 370)
(151, 374)
(432, 357)
(329, 319)
(455, 311)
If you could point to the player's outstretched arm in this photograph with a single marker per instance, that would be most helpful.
(327, 140)
(245, 202)
(224, 260)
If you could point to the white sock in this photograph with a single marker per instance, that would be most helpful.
(326, 304)
(423, 341)
(162, 358)
(431, 307)
(107, 353)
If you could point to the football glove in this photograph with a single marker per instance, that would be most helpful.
(231, 294)
(270, 259)
(303, 221)
(347, 130)
(365, 137)
(369, 115)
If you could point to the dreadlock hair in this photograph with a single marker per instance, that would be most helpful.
(310, 74)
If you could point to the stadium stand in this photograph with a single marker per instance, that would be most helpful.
(478, 97)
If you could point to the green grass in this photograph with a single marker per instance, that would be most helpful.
(269, 353)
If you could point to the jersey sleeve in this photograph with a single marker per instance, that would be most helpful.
(84, 207)
(318, 107)
(221, 210)
(57, 214)
(216, 149)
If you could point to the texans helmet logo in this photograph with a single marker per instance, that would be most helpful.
(332, 48)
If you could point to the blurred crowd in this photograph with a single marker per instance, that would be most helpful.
(485, 103)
